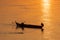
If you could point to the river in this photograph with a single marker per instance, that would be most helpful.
(30, 12)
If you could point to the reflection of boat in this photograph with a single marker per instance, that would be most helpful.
(22, 25)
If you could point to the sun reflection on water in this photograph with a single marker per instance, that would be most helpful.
(45, 10)
(46, 14)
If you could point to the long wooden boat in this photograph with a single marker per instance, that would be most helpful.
(22, 25)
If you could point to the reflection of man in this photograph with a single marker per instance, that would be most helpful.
(22, 26)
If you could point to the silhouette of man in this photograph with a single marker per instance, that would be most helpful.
(22, 26)
(42, 24)
(42, 27)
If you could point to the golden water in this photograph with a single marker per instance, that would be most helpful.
(30, 12)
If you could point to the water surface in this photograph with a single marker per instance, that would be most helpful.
(30, 12)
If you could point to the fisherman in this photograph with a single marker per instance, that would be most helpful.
(42, 27)
(42, 24)
(22, 26)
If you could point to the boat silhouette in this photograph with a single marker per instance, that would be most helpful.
(22, 26)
